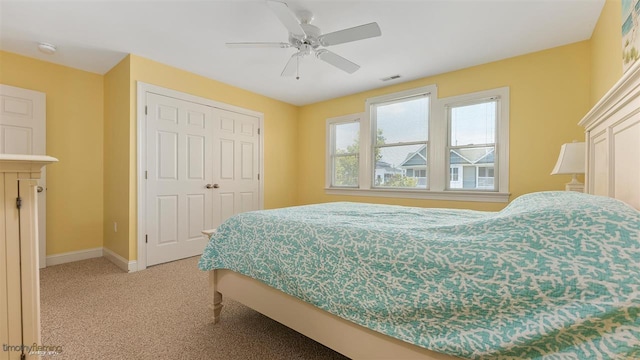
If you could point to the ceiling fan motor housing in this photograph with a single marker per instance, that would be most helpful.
(311, 39)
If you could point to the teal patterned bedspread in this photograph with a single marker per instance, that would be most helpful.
(554, 275)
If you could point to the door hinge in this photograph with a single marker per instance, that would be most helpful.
(146, 175)
(145, 109)
(19, 202)
(258, 131)
(146, 238)
(258, 176)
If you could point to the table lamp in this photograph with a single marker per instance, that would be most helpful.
(571, 162)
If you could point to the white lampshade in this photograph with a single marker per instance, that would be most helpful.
(571, 160)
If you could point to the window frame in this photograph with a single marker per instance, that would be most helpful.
(501, 140)
(496, 165)
(373, 121)
(437, 150)
(330, 148)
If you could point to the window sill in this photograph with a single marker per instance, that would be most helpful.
(478, 196)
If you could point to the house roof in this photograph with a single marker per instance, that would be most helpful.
(472, 156)
(386, 166)
(416, 158)
(484, 155)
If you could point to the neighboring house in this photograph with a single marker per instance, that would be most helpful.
(416, 165)
(384, 172)
(470, 168)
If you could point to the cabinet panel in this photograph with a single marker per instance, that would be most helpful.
(12, 259)
(19, 271)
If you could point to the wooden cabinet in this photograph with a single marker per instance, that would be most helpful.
(19, 276)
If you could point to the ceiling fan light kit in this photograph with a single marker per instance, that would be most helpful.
(307, 39)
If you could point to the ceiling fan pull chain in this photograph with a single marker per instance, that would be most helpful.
(297, 67)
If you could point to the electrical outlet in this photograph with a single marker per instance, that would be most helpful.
(115, 226)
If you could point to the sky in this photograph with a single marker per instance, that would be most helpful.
(405, 122)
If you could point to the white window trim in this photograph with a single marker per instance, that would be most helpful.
(501, 167)
(438, 132)
(330, 138)
(366, 130)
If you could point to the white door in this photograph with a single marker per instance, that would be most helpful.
(202, 166)
(179, 170)
(235, 165)
(23, 131)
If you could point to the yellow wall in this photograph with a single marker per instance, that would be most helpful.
(280, 121)
(92, 129)
(606, 50)
(280, 141)
(116, 155)
(549, 94)
(74, 136)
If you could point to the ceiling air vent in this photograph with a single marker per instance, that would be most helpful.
(392, 77)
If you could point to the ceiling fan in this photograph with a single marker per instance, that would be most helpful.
(307, 39)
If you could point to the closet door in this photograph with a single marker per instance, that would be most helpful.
(179, 177)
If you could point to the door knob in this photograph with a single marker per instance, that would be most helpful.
(214, 186)
(40, 189)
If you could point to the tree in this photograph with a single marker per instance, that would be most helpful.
(398, 180)
(347, 169)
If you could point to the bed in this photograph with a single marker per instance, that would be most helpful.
(592, 311)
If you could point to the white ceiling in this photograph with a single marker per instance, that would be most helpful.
(419, 38)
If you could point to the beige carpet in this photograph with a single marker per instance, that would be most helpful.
(95, 311)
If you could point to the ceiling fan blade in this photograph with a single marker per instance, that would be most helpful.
(352, 34)
(292, 65)
(283, 45)
(287, 18)
(337, 61)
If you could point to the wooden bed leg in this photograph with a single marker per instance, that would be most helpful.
(215, 297)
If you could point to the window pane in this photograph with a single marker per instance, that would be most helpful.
(345, 170)
(403, 121)
(453, 172)
(472, 168)
(473, 124)
(347, 138)
(401, 166)
(485, 178)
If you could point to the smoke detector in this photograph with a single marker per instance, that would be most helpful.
(47, 48)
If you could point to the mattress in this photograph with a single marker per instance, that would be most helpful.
(553, 275)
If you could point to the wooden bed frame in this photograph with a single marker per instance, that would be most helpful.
(612, 130)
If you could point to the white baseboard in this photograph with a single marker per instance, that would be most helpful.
(72, 256)
(119, 261)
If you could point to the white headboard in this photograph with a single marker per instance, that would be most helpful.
(613, 141)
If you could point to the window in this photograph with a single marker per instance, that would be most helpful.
(399, 149)
(412, 144)
(453, 174)
(485, 178)
(344, 148)
(472, 143)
